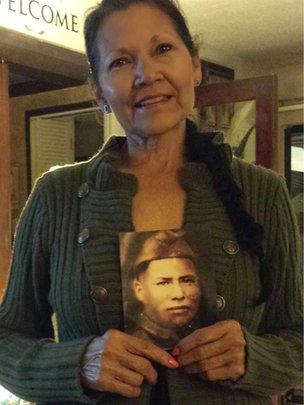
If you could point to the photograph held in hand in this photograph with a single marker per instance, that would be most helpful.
(167, 291)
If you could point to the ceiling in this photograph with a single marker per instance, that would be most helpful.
(251, 29)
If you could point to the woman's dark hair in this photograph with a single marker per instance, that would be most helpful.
(198, 147)
(250, 234)
(95, 19)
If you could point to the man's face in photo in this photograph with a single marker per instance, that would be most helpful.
(170, 291)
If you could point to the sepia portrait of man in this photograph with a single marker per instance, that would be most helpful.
(164, 291)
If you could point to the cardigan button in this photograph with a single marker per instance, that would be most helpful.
(231, 247)
(220, 303)
(98, 294)
(83, 236)
(83, 190)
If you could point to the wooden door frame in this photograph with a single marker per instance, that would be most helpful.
(264, 90)
(5, 178)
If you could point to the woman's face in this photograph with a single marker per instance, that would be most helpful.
(170, 291)
(146, 73)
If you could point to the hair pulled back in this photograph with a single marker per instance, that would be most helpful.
(95, 19)
(199, 147)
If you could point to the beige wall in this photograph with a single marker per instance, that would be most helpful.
(290, 78)
(18, 107)
(290, 82)
(290, 73)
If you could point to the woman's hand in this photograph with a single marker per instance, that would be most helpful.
(216, 352)
(118, 363)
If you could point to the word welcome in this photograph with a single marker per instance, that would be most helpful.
(39, 11)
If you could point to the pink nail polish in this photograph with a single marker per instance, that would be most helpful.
(176, 351)
(173, 363)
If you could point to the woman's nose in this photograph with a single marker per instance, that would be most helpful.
(147, 72)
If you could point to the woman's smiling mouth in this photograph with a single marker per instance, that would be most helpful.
(151, 101)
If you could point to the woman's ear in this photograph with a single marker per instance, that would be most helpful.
(100, 100)
(197, 69)
(98, 95)
(138, 290)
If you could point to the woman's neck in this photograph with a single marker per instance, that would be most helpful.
(156, 153)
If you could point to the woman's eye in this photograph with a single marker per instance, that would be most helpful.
(164, 48)
(118, 63)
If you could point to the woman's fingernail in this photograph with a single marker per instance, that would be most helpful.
(176, 351)
(173, 363)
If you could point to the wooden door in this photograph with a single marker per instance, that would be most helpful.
(5, 178)
(264, 91)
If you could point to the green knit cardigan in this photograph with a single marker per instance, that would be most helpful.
(66, 262)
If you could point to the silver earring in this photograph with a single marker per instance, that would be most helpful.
(106, 109)
(197, 83)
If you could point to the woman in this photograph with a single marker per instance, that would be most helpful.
(164, 175)
(164, 297)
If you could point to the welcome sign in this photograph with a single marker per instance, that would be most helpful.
(59, 22)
